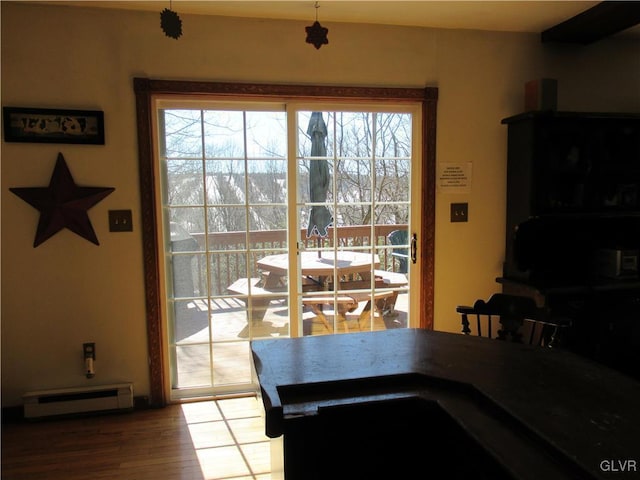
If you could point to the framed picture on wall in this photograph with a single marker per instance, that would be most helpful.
(46, 125)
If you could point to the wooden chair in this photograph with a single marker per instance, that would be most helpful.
(515, 314)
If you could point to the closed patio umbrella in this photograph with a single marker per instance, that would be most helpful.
(320, 218)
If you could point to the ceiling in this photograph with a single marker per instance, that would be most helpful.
(510, 16)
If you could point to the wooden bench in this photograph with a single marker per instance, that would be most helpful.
(391, 280)
(260, 297)
(346, 304)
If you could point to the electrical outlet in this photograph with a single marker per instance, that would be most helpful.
(459, 212)
(89, 350)
(120, 221)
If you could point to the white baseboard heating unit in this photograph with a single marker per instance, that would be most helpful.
(65, 401)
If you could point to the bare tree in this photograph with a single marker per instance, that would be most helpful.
(237, 166)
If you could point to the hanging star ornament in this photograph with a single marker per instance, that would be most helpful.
(170, 23)
(63, 204)
(316, 33)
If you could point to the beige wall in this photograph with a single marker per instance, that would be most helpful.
(68, 291)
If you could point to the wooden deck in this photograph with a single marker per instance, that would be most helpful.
(233, 331)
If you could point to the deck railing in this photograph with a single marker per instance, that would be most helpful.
(227, 260)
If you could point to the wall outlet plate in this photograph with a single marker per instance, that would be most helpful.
(459, 212)
(120, 221)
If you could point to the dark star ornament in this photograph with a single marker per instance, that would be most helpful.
(170, 23)
(317, 34)
(63, 204)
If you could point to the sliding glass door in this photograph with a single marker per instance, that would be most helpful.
(281, 219)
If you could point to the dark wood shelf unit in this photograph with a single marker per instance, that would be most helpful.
(573, 192)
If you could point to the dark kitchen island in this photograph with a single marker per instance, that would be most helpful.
(408, 403)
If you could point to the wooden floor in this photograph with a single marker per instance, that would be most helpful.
(207, 440)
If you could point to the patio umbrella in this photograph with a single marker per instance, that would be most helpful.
(320, 217)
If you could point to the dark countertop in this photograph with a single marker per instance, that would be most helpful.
(539, 411)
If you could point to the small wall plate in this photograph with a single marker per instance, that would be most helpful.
(120, 221)
(459, 212)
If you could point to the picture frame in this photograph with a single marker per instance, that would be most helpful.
(50, 125)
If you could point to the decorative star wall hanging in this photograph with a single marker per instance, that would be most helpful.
(170, 23)
(63, 204)
(316, 33)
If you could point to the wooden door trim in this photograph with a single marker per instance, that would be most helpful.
(145, 89)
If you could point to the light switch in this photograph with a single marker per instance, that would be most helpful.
(459, 212)
(120, 221)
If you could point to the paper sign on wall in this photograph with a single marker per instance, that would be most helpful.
(454, 177)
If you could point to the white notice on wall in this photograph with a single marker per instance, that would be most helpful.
(454, 177)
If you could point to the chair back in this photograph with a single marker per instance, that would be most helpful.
(400, 237)
(518, 318)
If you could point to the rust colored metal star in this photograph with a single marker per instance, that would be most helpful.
(63, 204)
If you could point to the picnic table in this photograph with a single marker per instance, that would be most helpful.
(322, 275)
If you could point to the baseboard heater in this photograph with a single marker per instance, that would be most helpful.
(68, 401)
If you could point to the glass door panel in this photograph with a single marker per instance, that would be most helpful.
(223, 176)
(354, 176)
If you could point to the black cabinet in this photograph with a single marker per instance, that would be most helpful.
(573, 224)
(573, 188)
(565, 162)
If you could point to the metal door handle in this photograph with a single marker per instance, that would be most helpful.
(414, 247)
